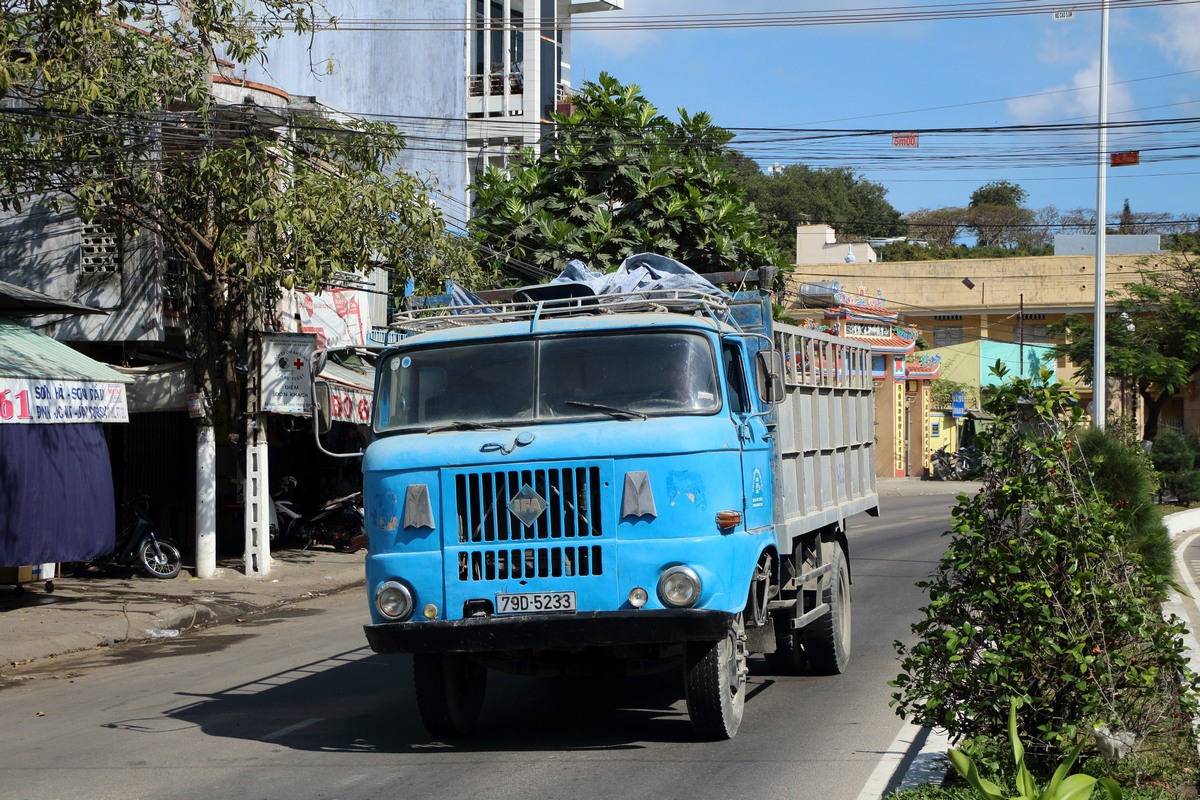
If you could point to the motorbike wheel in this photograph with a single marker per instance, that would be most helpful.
(159, 558)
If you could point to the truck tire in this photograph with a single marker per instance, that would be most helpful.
(715, 682)
(450, 690)
(827, 639)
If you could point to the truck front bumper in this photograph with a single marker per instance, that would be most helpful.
(548, 631)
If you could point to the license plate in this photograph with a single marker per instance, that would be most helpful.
(535, 603)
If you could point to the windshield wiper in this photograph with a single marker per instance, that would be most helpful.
(612, 411)
(463, 426)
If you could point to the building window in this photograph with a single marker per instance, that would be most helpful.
(1035, 334)
(493, 50)
(946, 335)
(99, 249)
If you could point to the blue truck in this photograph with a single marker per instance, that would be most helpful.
(562, 482)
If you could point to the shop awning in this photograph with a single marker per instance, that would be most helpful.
(351, 391)
(22, 302)
(43, 381)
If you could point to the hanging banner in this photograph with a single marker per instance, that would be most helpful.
(287, 372)
(337, 317)
(47, 401)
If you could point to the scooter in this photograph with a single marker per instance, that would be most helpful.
(138, 544)
(941, 465)
(338, 523)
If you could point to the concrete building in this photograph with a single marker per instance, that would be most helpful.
(818, 244)
(467, 82)
(1010, 300)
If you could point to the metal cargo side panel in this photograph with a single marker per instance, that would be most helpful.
(530, 528)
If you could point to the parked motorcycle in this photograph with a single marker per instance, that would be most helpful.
(138, 544)
(337, 523)
(942, 465)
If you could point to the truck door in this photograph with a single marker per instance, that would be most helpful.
(751, 431)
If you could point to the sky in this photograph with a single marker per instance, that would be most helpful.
(817, 84)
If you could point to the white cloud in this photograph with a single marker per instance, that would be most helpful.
(1077, 99)
(1178, 38)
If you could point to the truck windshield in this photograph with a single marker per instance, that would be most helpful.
(551, 379)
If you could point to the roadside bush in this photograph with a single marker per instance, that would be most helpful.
(1123, 475)
(1183, 486)
(1037, 598)
(1170, 453)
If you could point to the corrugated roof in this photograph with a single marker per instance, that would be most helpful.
(25, 353)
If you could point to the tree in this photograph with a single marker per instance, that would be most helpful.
(996, 215)
(798, 194)
(617, 179)
(1152, 341)
(1038, 597)
(998, 193)
(938, 226)
(109, 110)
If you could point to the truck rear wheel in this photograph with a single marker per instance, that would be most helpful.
(827, 639)
(715, 680)
(450, 690)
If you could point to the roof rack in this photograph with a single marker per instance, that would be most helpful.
(523, 307)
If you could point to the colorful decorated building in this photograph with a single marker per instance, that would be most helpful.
(902, 381)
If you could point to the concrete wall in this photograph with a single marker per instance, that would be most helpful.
(413, 79)
(1072, 244)
(40, 250)
(818, 244)
(925, 288)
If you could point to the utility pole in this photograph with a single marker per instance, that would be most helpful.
(1021, 332)
(1099, 401)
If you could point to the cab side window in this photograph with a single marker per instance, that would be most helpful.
(735, 379)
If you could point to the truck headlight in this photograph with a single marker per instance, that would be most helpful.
(679, 587)
(394, 600)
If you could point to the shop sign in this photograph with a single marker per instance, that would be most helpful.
(287, 372)
(42, 401)
(349, 404)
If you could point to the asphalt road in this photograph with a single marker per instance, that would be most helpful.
(295, 706)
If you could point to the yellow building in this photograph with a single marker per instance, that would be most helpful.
(1013, 300)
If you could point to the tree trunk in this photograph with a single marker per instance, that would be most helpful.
(1154, 406)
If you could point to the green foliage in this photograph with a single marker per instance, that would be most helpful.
(797, 194)
(1152, 341)
(1171, 453)
(998, 193)
(109, 111)
(617, 178)
(1062, 786)
(1037, 598)
(1123, 475)
(942, 391)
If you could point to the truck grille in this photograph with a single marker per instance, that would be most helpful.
(530, 562)
(572, 497)
(484, 505)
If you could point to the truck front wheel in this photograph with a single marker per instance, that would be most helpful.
(827, 639)
(715, 680)
(450, 690)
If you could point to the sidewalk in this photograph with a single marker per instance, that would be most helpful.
(102, 609)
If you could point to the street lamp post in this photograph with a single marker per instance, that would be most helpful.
(1099, 401)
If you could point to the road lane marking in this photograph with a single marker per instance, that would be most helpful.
(279, 734)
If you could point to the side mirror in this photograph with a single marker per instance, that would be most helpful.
(322, 416)
(769, 373)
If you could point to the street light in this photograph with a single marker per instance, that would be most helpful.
(1099, 401)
